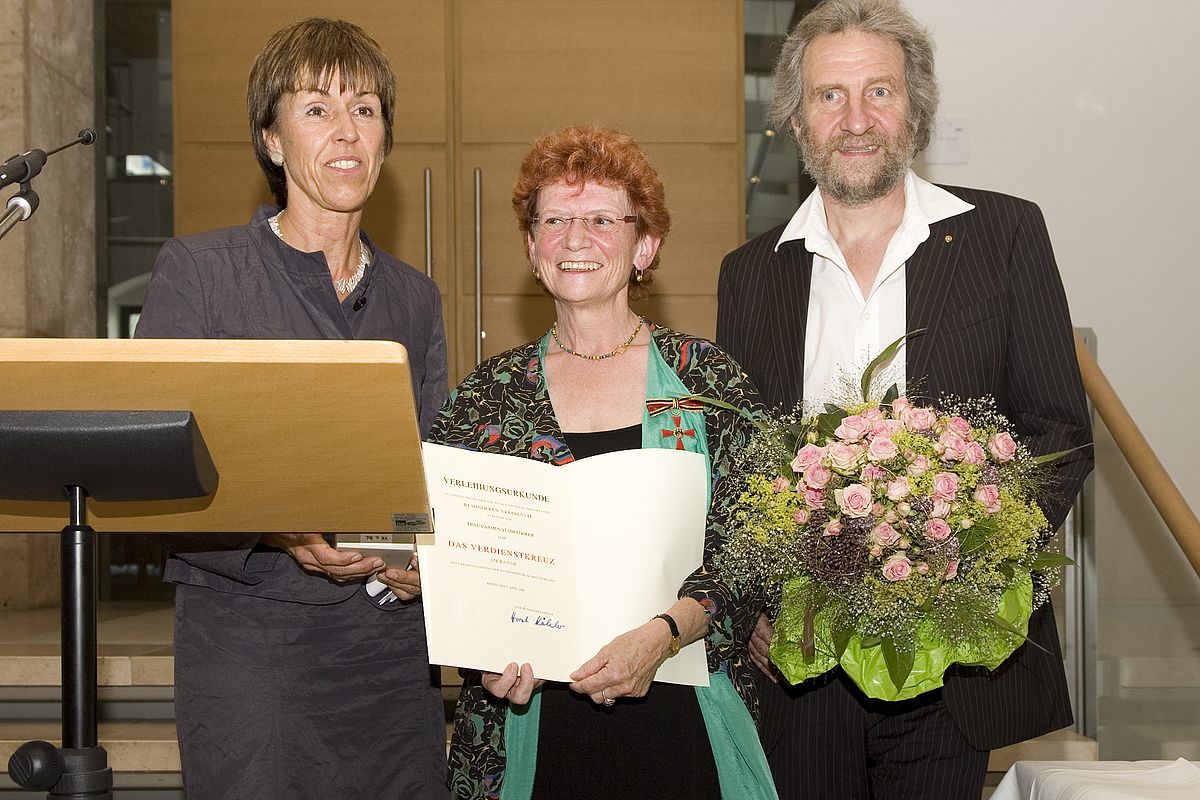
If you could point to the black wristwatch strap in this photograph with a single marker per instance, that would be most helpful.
(675, 641)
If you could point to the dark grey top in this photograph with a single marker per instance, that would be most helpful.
(245, 283)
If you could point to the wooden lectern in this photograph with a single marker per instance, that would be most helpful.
(306, 436)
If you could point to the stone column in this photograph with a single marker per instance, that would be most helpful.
(48, 263)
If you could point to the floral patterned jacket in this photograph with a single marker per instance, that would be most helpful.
(504, 407)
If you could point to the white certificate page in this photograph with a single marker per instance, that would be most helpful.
(545, 565)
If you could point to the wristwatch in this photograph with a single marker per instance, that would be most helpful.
(675, 643)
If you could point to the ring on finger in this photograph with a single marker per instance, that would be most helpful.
(608, 701)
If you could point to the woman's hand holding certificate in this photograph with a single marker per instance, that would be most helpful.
(522, 572)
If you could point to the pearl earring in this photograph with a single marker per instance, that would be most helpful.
(277, 158)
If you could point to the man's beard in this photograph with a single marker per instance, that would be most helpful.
(848, 185)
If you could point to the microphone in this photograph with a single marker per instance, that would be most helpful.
(22, 168)
(25, 167)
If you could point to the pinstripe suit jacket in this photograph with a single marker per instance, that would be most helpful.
(985, 288)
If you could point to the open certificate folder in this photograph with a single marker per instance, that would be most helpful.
(542, 564)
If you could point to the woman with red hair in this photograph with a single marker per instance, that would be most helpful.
(593, 214)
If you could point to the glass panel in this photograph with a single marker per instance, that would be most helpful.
(139, 161)
(138, 217)
(775, 182)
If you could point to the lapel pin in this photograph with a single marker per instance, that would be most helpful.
(949, 238)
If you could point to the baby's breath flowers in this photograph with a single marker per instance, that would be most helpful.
(892, 539)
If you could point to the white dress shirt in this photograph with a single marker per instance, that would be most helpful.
(845, 330)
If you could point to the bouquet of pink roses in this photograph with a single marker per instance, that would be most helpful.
(894, 538)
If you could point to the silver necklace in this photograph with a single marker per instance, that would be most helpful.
(342, 285)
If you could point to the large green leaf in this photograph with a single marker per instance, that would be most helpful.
(899, 663)
(841, 639)
(828, 422)
(1050, 561)
(890, 395)
(869, 372)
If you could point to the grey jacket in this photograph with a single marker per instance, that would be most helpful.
(244, 283)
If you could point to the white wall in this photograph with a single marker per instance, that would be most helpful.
(1091, 109)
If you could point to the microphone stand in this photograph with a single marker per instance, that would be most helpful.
(23, 169)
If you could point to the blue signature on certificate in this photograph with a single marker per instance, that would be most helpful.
(537, 620)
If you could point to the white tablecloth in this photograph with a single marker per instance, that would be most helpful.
(1100, 780)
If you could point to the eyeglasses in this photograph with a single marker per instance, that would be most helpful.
(599, 225)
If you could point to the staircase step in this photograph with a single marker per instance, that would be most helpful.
(139, 746)
(1064, 745)
(116, 665)
(1153, 742)
(1151, 705)
(1167, 672)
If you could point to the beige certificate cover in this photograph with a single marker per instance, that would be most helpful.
(306, 435)
(542, 564)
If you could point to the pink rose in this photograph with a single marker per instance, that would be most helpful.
(951, 569)
(945, 486)
(919, 466)
(890, 515)
(951, 446)
(833, 527)
(898, 489)
(1002, 447)
(922, 567)
(897, 567)
(903, 509)
(884, 534)
(882, 448)
(887, 427)
(807, 456)
(818, 476)
(959, 426)
(900, 405)
(854, 500)
(872, 414)
(876, 551)
(801, 516)
(974, 454)
(989, 495)
(781, 484)
(813, 498)
(845, 458)
(941, 509)
(937, 530)
(853, 428)
(918, 418)
(872, 473)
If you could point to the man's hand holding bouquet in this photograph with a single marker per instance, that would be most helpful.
(893, 539)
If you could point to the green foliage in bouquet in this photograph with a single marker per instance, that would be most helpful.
(895, 540)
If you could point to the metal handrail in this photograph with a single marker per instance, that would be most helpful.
(1079, 598)
(1160, 488)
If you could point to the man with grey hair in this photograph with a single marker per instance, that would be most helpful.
(873, 253)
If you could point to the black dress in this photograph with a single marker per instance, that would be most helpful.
(653, 747)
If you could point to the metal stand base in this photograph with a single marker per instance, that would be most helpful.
(79, 769)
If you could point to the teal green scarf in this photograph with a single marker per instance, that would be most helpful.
(741, 765)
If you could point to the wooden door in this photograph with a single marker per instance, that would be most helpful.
(668, 73)
(477, 81)
(217, 181)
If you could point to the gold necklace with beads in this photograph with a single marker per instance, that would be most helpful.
(621, 348)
